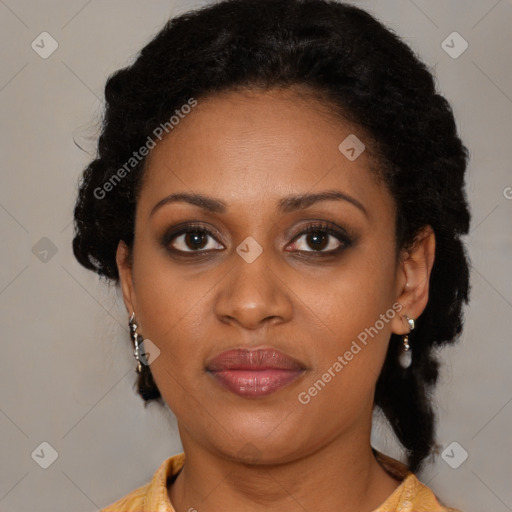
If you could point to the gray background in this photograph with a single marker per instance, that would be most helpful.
(67, 372)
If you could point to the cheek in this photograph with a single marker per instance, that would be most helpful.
(165, 294)
(351, 297)
(170, 311)
(353, 311)
(172, 317)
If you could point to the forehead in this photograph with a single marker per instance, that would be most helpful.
(251, 148)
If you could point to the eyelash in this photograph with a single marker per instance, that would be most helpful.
(327, 228)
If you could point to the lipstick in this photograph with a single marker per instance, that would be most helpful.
(254, 373)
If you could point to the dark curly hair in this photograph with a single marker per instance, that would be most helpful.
(361, 71)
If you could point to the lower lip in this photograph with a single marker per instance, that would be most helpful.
(256, 383)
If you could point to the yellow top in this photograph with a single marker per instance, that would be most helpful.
(410, 496)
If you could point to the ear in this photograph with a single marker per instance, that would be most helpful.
(124, 267)
(413, 278)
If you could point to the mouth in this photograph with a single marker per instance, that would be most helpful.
(254, 373)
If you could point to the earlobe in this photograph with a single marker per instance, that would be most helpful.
(124, 267)
(414, 274)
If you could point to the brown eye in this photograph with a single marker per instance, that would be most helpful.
(191, 239)
(322, 238)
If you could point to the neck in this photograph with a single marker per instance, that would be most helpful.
(343, 475)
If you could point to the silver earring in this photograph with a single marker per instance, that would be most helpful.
(405, 357)
(137, 341)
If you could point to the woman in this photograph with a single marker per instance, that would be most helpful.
(279, 192)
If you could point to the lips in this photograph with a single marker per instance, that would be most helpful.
(254, 373)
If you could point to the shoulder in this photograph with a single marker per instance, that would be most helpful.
(153, 495)
(418, 497)
(133, 502)
(411, 495)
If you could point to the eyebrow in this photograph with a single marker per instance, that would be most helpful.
(285, 205)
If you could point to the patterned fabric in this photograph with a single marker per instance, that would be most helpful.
(410, 496)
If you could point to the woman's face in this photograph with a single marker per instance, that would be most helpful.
(247, 276)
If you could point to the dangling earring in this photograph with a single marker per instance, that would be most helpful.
(137, 340)
(405, 357)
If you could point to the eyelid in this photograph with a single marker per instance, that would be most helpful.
(331, 229)
(181, 229)
(328, 227)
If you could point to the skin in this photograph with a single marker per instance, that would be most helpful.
(249, 150)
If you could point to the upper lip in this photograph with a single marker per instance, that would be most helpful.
(253, 359)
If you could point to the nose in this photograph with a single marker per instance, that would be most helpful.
(253, 294)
